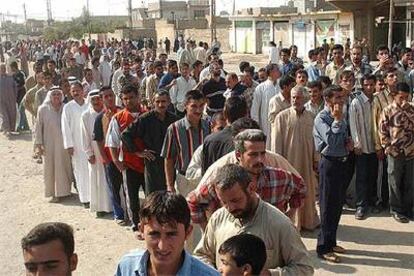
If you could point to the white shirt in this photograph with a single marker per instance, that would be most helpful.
(80, 59)
(360, 122)
(179, 90)
(260, 106)
(206, 71)
(115, 78)
(71, 129)
(273, 55)
(105, 71)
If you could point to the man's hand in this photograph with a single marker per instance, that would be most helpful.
(380, 155)
(40, 150)
(316, 166)
(357, 151)
(70, 151)
(337, 112)
(147, 154)
(171, 188)
(92, 159)
(120, 165)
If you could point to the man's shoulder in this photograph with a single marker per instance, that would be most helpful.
(130, 262)
(200, 268)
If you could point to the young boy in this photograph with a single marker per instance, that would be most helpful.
(244, 254)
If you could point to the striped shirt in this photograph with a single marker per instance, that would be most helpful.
(276, 186)
(360, 120)
(381, 100)
(182, 140)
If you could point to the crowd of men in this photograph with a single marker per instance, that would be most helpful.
(252, 152)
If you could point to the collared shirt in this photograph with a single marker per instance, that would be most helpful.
(286, 67)
(330, 136)
(397, 130)
(166, 80)
(359, 72)
(136, 264)
(381, 100)
(286, 253)
(179, 90)
(315, 70)
(314, 108)
(333, 71)
(152, 86)
(260, 106)
(277, 103)
(150, 129)
(277, 186)
(215, 146)
(360, 120)
(182, 140)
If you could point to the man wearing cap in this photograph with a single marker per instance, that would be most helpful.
(72, 141)
(100, 202)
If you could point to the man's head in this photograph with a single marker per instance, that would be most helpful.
(165, 225)
(172, 67)
(241, 124)
(234, 108)
(356, 55)
(194, 104)
(129, 96)
(273, 72)
(95, 62)
(380, 83)
(185, 69)
(158, 68)
(293, 51)
(197, 67)
(108, 97)
(301, 77)
(250, 149)
(406, 54)
(286, 83)
(297, 98)
(232, 80)
(218, 123)
(236, 191)
(347, 80)
(312, 55)
(215, 69)
(391, 77)
(76, 91)
(333, 96)
(95, 100)
(14, 67)
(262, 74)
(48, 249)
(161, 101)
(315, 91)
(285, 55)
(244, 254)
(368, 85)
(126, 67)
(88, 75)
(51, 65)
(248, 75)
(39, 78)
(243, 65)
(338, 53)
(402, 96)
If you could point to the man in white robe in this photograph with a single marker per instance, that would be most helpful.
(100, 201)
(261, 98)
(72, 141)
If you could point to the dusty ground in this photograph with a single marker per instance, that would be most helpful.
(377, 245)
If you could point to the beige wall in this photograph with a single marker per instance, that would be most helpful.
(204, 35)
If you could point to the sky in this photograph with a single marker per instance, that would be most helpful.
(61, 10)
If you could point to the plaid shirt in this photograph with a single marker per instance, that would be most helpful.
(275, 186)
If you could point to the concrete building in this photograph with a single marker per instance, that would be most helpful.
(252, 30)
(190, 9)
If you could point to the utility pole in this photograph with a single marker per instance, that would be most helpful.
(88, 19)
(212, 19)
(49, 12)
(130, 17)
(390, 25)
(25, 18)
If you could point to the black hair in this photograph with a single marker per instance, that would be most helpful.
(338, 47)
(243, 65)
(235, 108)
(50, 231)
(129, 89)
(369, 77)
(242, 124)
(382, 48)
(403, 87)
(193, 95)
(167, 208)
(286, 80)
(314, 84)
(246, 249)
(330, 91)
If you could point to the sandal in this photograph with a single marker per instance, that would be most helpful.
(339, 249)
(330, 257)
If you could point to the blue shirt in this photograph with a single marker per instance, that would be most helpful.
(135, 264)
(166, 80)
(287, 67)
(330, 136)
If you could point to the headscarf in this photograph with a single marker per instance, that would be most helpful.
(48, 99)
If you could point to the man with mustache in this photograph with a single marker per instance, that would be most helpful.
(244, 211)
(276, 186)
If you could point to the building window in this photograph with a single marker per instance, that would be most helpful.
(199, 13)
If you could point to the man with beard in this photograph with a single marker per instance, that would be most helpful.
(244, 212)
(72, 141)
(359, 68)
(279, 187)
